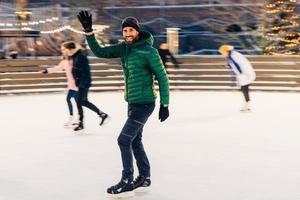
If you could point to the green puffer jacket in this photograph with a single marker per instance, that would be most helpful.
(140, 61)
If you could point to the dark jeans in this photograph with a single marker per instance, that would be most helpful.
(71, 94)
(83, 101)
(245, 91)
(130, 140)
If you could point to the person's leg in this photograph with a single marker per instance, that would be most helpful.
(137, 116)
(79, 99)
(69, 95)
(165, 65)
(74, 95)
(92, 107)
(70, 121)
(245, 91)
(88, 104)
(142, 181)
(125, 139)
(140, 155)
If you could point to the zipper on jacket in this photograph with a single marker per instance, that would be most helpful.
(126, 71)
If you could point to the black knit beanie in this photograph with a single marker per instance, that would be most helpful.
(131, 22)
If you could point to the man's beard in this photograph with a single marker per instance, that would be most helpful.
(131, 41)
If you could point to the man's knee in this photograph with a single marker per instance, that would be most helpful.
(124, 140)
(129, 132)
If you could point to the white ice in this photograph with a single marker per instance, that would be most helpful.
(206, 150)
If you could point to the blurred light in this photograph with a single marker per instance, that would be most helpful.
(39, 43)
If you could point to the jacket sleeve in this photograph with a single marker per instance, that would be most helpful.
(113, 51)
(157, 68)
(56, 68)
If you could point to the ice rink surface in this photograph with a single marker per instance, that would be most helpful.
(206, 150)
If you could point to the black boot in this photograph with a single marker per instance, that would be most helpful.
(141, 183)
(79, 127)
(122, 189)
(104, 118)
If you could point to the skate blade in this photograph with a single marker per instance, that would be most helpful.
(121, 195)
(245, 111)
(70, 126)
(79, 132)
(142, 190)
(106, 121)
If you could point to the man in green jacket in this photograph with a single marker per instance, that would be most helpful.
(141, 63)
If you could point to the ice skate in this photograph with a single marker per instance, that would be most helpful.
(71, 122)
(246, 107)
(141, 184)
(104, 119)
(79, 127)
(122, 189)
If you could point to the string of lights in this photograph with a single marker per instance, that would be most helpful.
(30, 23)
(99, 28)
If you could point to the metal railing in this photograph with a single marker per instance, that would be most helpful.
(274, 73)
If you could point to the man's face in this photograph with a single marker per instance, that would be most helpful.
(130, 34)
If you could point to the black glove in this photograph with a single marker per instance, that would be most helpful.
(163, 113)
(85, 19)
(44, 71)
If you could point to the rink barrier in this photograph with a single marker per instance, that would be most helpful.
(274, 73)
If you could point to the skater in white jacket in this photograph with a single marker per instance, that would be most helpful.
(243, 70)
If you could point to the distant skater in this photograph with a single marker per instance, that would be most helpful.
(82, 75)
(242, 69)
(66, 65)
(165, 53)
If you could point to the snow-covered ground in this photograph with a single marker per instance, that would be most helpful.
(206, 150)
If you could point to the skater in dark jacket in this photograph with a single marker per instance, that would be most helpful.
(165, 53)
(140, 63)
(82, 75)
